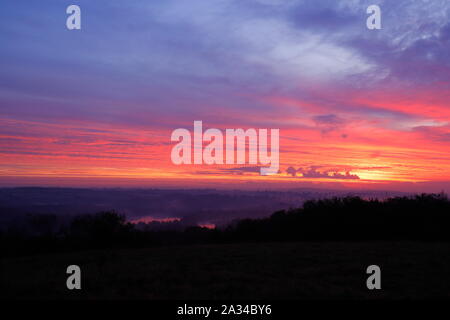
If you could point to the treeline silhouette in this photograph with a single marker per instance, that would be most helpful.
(423, 217)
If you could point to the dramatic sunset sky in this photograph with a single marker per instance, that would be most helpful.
(356, 108)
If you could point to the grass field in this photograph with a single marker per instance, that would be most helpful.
(307, 270)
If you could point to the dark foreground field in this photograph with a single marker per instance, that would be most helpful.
(307, 270)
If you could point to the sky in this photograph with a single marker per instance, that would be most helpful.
(356, 108)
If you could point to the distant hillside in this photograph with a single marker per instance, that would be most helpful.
(421, 218)
(193, 207)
